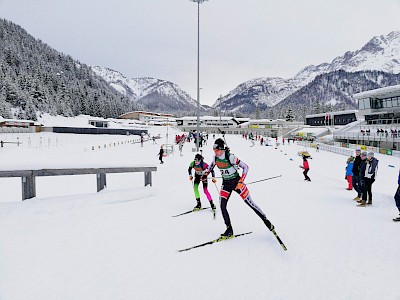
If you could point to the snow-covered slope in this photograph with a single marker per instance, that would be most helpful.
(152, 93)
(73, 243)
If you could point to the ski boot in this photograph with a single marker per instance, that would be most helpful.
(397, 219)
(198, 206)
(369, 202)
(212, 205)
(228, 233)
(213, 208)
(268, 224)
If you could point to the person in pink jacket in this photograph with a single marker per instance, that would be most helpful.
(306, 168)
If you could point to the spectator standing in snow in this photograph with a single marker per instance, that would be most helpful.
(161, 154)
(356, 175)
(349, 173)
(369, 178)
(397, 199)
(363, 166)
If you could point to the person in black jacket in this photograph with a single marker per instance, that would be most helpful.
(363, 166)
(356, 175)
(397, 198)
(369, 178)
(160, 155)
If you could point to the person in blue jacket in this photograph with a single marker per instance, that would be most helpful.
(349, 173)
(397, 198)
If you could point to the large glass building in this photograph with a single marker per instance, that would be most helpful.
(381, 128)
(380, 106)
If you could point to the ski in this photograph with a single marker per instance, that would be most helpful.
(279, 239)
(220, 239)
(190, 211)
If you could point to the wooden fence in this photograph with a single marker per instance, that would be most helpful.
(29, 181)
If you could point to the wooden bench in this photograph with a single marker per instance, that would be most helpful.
(29, 182)
(3, 142)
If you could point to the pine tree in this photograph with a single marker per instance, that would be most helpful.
(289, 115)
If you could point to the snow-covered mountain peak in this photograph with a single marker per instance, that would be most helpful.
(381, 53)
(152, 93)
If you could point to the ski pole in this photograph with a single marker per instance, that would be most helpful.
(263, 179)
(258, 180)
(216, 187)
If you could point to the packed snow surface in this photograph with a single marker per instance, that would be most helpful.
(121, 243)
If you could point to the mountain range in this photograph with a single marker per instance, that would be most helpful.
(151, 93)
(376, 64)
(379, 54)
(35, 78)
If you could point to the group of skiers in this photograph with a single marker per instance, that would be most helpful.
(229, 165)
(360, 175)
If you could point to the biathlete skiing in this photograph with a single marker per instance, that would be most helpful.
(200, 170)
(229, 165)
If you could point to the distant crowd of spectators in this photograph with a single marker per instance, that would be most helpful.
(380, 132)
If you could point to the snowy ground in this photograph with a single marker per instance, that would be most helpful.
(72, 243)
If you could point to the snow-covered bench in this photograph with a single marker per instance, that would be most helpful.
(29, 182)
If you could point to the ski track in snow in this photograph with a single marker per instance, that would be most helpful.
(73, 243)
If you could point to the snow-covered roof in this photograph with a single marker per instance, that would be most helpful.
(16, 120)
(333, 113)
(393, 90)
(98, 119)
(206, 118)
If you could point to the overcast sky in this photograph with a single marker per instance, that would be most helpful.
(239, 39)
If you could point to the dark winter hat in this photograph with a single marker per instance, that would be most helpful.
(219, 144)
(371, 154)
(198, 157)
(364, 153)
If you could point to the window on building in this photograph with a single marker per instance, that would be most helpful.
(395, 101)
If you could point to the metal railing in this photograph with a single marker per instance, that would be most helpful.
(329, 148)
(381, 137)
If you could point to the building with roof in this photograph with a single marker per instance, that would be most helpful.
(16, 125)
(333, 118)
(381, 110)
(148, 117)
(232, 125)
(380, 106)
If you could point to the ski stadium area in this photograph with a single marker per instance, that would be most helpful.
(70, 242)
